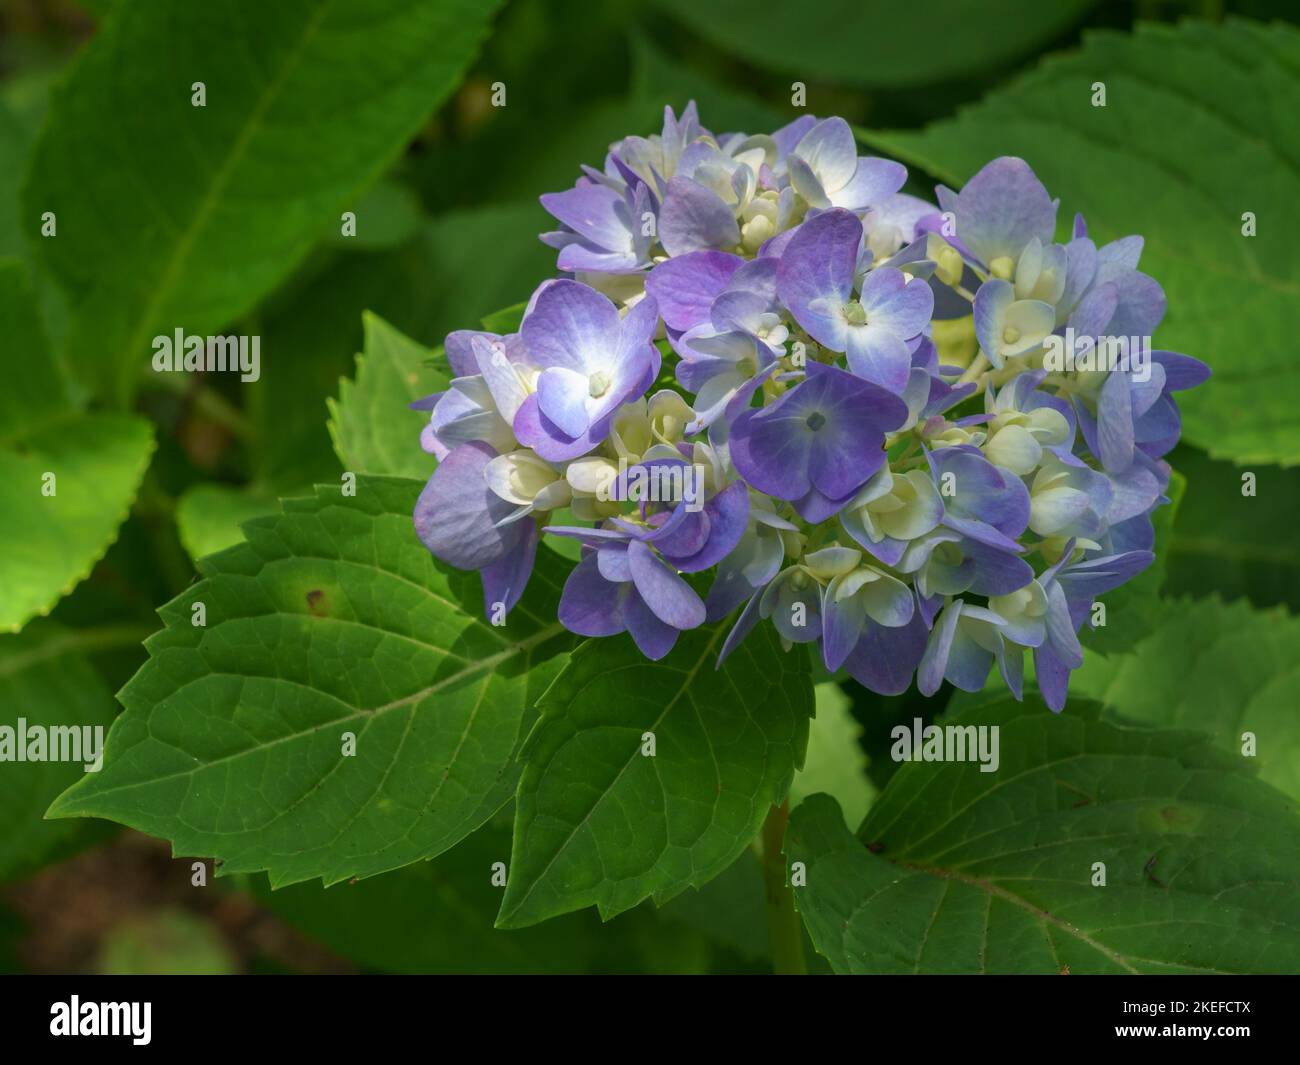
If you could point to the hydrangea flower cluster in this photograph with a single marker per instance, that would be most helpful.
(893, 428)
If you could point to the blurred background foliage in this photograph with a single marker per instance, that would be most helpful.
(447, 234)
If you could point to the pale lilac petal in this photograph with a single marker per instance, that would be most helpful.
(875, 354)
(1115, 423)
(570, 325)
(591, 605)
(815, 276)
(456, 515)
(874, 182)
(671, 599)
(902, 307)
(885, 659)
(991, 302)
(505, 579)
(728, 517)
(1001, 209)
(685, 287)
(596, 212)
(830, 151)
(652, 635)
(694, 218)
(562, 395)
(1181, 371)
(934, 662)
(842, 625)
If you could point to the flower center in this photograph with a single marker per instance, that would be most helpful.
(816, 420)
(598, 384)
(855, 313)
(1003, 267)
(1011, 334)
(948, 554)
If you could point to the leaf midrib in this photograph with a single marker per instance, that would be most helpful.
(59, 809)
(221, 177)
(563, 846)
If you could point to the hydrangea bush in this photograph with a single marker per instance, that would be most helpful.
(921, 437)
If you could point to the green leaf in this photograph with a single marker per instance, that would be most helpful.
(308, 101)
(1132, 608)
(67, 479)
(658, 80)
(956, 870)
(387, 216)
(373, 428)
(1222, 668)
(863, 42)
(600, 823)
(16, 137)
(315, 328)
(835, 762)
(1235, 544)
(506, 320)
(1198, 129)
(209, 516)
(436, 917)
(331, 619)
(730, 909)
(46, 680)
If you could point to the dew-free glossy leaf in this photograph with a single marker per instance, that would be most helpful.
(46, 680)
(600, 823)
(1225, 669)
(956, 870)
(67, 478)
(331, 619)
(877, 43)
(373, 428)
(172, 215)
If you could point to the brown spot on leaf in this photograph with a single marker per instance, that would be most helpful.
(315, 599)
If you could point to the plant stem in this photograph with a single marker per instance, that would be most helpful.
(783, 923)
(978, 365)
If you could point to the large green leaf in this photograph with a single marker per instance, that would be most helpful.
(175, 216)
(1198, 128)
(373, 429)
(835, 762)
(1235, 544)
(314, 325)
(436, 917)
(16, 136)
(1223, 668)
(209, 516)
(67, 479)
(956, 870)
(878, 43)
(601, 823)
(331, 618)
(46, 681)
